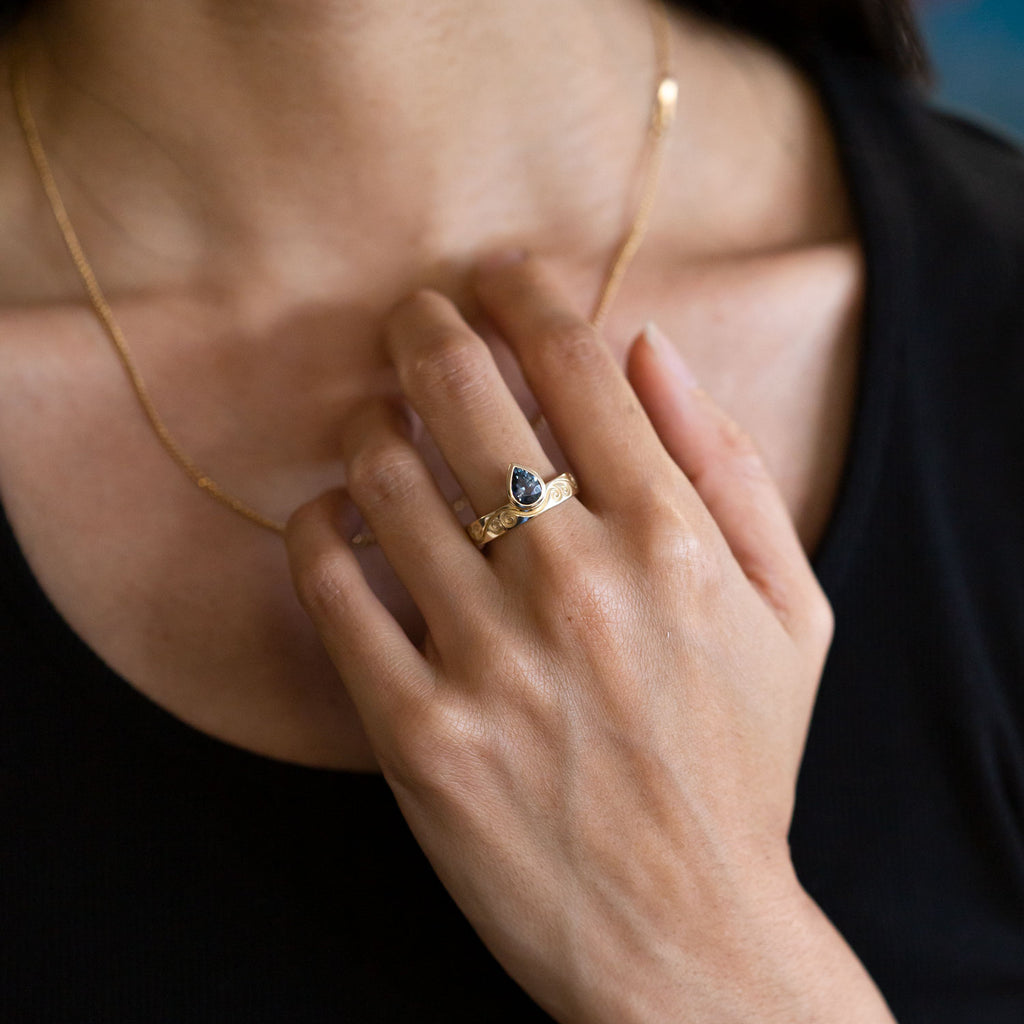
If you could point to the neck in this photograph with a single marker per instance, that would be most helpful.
(290, 139)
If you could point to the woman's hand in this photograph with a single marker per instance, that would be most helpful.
(598, 744)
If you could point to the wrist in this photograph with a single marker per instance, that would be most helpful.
(768, 954)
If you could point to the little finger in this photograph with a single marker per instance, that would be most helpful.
(381, 669)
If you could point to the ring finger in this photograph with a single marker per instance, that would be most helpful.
(451, 380)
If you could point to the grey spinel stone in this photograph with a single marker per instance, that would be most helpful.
(526, 487)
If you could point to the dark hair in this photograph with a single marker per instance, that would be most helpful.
(882, 30)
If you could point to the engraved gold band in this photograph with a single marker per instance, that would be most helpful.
(528, 496)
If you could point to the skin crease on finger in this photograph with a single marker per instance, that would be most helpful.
(257, 197)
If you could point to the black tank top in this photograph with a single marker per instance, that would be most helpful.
(149, 873)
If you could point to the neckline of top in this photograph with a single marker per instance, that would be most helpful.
(859, 100)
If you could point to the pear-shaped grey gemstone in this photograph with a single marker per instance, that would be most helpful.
(526, 487)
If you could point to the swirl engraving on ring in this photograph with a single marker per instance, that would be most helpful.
(528, 496)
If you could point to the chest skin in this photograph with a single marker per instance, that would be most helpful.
(193, 605)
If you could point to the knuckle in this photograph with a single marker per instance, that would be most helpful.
(408, 756)
(669, 544)
(667, 536)
(821, 620)
(451, 367)
(431, 752)
(422, 304)
(570, 345)
(381, 472)
(683, 558)
(662, 524)
(321, 585)
(694, 560)
(416, 312)
(408, 753)
(304, 518)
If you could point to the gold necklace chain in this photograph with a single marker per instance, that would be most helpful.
(663, 112)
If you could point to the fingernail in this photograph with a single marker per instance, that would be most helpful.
(501, 258)
(669, 354)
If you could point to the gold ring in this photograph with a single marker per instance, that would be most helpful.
(528, 496)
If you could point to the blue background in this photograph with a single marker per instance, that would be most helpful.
(978, 50)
